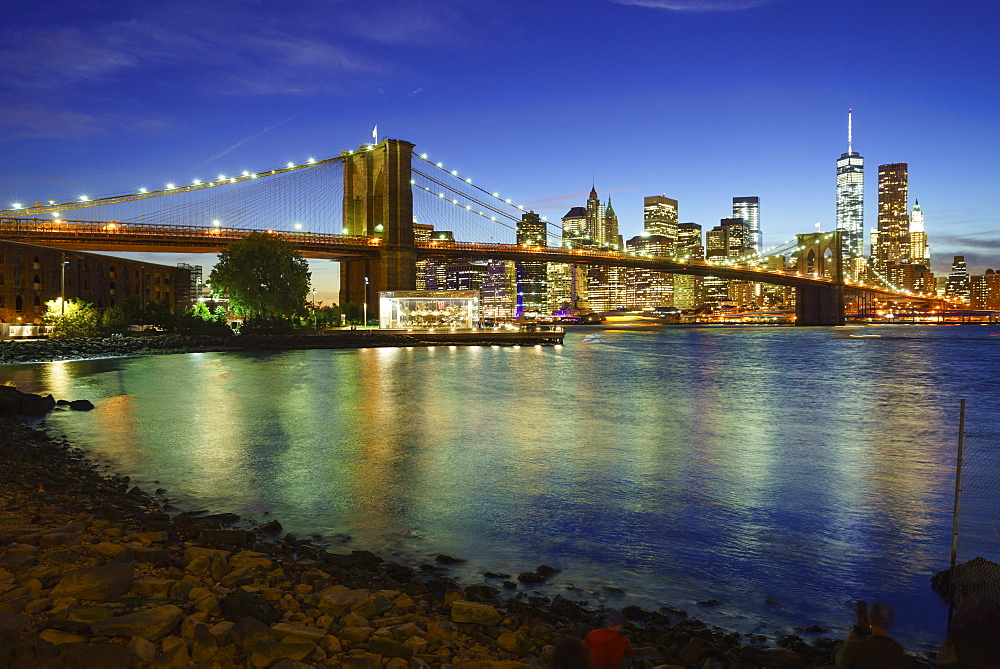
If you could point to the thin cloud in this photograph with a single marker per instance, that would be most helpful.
(698, 6)
(245, 140)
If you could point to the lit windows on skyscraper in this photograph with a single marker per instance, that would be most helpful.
(748, 208)
(659, 216)
(893, 215)
(851, 199)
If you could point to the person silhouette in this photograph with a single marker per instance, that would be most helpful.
(608, 645)
(877, 650)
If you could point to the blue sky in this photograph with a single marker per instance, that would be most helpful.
(701, 100)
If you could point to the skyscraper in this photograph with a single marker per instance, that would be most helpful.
(595, 218)
(748, 208)
(851, 199)
(893, 216)
(531, 274)
(919, 252)
(659, 216)
(958, 279)
(574, 226)
(611, 236)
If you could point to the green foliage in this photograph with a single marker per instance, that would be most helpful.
(115, 320)
(200, 320)
(268, 325)
(263, 276)
(355, 312)
(74, 319)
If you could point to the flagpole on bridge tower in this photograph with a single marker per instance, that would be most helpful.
(375, 133)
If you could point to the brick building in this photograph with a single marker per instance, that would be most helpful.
(31, 275)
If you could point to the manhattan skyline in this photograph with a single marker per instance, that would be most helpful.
(702, 101)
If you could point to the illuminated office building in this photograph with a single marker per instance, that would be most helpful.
(920, 254)
(851, 199)
(574, 226)
(595, 218)
(958, 279)
(531, 274)
(610, 224)
(659, 216)
(985, 291)
(893, 217)
(646, 288)
(688, 292)
(748, 208)
(499, 290)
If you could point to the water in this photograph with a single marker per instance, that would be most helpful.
(782, 471)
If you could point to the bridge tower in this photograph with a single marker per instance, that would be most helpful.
(820, 256)
(378, 202)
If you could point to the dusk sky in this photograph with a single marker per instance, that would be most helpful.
(701, 100)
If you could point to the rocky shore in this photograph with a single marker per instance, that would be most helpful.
(46, 350)
(96, 573)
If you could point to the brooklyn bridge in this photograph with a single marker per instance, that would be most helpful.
(370, 209)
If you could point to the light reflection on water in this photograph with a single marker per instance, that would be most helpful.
(681, 465)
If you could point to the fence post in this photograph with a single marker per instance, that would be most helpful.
(954, 520)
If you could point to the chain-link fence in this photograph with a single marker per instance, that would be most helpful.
(976, 546)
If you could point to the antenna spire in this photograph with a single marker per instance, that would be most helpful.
(850, 131)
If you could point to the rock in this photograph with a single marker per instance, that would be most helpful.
(447, 559)
(240, 604)
(224, 537)
(250, 560)
(152, 588)
(387, 647)
(472, 612)
(267, 651)
(773, 658)
(372, 606)
(96, 583)
(175, 658)
(271, 527)
(338, 602)
(142, 649)
(89, 614)
(694, 650)
(518, 643)
(58, 637)
(546, 570)
(111, 552)
(150, 624)
(81, 405)
(204, 645)
(97, 656)
(530, 577)
(247, 632)
(297, 633)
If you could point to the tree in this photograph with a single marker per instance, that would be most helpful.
(75, 318)
(263, 276)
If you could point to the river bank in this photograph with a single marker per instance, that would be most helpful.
(95, 572)
(49, 350)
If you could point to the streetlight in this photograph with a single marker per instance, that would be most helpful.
(62, 286)
(315, 322)
(366, 302)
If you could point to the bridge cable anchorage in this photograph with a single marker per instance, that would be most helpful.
(85, 202)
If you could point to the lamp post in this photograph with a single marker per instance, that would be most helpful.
(315, 321)
(62, 286)
(365, 324)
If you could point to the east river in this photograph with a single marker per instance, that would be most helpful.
(783, 472)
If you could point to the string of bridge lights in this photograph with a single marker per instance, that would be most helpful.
(84, 201)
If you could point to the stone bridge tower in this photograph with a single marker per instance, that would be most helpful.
(378, 202)
(820, 256)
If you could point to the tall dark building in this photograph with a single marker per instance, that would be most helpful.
(958, 279)
(531, 275)
(893, 216)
